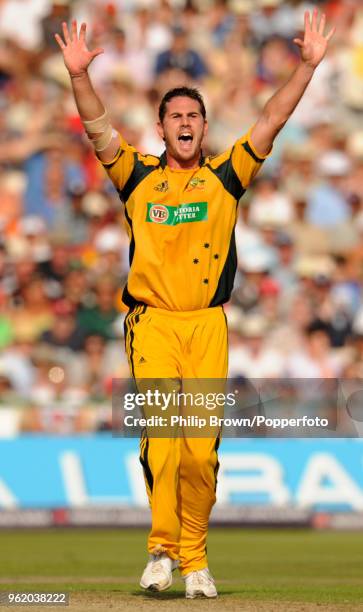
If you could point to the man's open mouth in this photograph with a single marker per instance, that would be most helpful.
(185, 137)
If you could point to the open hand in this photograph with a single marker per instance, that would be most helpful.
(77, 57)
(315, 44)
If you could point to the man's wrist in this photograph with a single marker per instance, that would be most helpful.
(306, 70)
(307, 67)
(78, 75)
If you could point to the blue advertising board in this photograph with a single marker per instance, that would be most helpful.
(52, 472)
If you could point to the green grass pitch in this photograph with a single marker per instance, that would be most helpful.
(273, 565)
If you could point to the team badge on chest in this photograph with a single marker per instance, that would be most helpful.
(195, 183)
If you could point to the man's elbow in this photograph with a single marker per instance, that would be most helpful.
(274, 120)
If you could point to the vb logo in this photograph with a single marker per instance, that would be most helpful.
(158, 213)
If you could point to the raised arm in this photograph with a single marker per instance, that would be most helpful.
(77, 57)
(282, 104)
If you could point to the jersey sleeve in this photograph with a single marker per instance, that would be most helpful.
(246, 161)
(119, 169)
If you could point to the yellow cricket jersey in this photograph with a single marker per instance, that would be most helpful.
(181, 225)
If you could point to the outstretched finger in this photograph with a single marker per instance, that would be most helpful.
(307, 22)
(330, 34)
(74, 29)
(82, 32)
(322, 24)
(59, 41)
(65, 33)
(314, 23)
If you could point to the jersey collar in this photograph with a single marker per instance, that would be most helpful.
(163, 162)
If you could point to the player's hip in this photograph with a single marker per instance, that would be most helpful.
(170, 339)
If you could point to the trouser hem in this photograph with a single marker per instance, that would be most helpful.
(194, 568)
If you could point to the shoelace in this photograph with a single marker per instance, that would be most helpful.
(156, 567)
(200, 578)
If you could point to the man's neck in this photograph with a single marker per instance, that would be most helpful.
(176, 164)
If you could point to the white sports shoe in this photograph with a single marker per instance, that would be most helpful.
(157, 574)
(200, 584)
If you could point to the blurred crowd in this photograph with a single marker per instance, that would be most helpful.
(296, 309)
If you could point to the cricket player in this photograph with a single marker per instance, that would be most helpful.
(181, 210)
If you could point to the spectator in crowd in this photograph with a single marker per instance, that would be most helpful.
(65, 333)
(285, 273)
(34, 314)
(327, 202)
(256, 359)
(100, 319)
(315, 359)
(181, 57)
(94, 368)
(268, 204)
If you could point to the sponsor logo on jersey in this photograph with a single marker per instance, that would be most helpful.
(174, 215)
(162, 187)
(158, 213)
(196, 183)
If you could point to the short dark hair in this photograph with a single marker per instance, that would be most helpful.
(186, 92)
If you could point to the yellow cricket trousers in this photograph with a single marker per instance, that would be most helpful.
(180, 473)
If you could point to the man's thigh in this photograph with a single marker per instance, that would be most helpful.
(207, 355)
(151, 347)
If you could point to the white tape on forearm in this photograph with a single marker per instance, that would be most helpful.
(98, 125)
(99, 131)
(101, 143)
